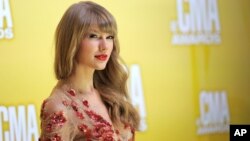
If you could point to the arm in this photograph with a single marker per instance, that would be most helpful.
(55, 124)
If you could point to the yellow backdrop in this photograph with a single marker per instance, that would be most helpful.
(189, 90)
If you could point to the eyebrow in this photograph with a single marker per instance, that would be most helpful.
(94, 30)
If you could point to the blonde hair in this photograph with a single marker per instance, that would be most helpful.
(110, 82)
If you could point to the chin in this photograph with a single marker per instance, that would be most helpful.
(100, 67)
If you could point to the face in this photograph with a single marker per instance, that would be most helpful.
(95, 49)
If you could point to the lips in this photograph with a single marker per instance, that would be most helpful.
(101, 57)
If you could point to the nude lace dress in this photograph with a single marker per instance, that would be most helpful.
(66, 117)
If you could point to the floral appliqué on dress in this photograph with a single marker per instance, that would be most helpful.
(67, 118)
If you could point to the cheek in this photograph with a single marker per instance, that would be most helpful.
(111, 47)
(86, 53)
(83, 53)
(88, 47)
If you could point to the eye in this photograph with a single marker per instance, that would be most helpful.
(92, 35)
(110, 37)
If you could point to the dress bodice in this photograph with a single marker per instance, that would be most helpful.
(66, 117)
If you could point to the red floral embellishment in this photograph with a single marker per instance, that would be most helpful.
(103, 131)
(65, 103)
(72, 92)
(79, 115)
(74, 106)
(76, 109)
(96, 117)
(132, 130)
(85, 130)
(85, 103)
(58, 119)
(126, 125)
(56, 137)
(48, 127)
(117, 132)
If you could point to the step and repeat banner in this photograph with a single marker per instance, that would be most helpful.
(189, 64)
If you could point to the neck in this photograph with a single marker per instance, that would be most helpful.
(82, 79)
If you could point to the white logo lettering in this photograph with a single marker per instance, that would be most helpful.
(214, 113)
(137, 97)
(5, 20)
(20, 127)
(240, 132)
(200, 26)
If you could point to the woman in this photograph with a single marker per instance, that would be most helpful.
(90, 100)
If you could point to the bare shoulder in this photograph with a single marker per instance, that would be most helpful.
(54, 103)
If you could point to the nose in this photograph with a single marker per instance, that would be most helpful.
(103, 45)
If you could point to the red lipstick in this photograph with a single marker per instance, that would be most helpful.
(101, 57)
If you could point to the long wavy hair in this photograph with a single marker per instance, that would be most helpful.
(110, 82)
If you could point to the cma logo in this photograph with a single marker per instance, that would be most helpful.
(214, 113)
(18, 123)
(197, 23)
(6, 24)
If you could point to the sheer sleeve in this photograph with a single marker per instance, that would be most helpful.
(55, 124)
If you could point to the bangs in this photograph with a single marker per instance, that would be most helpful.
(105, 24)
(103, 21)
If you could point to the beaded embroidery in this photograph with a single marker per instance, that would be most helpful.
(90, 125)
